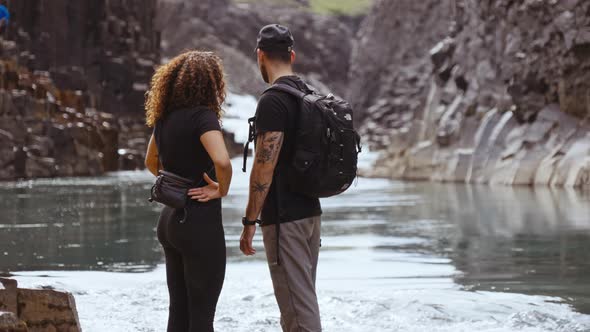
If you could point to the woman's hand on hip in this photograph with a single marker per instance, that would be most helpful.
(207, 193)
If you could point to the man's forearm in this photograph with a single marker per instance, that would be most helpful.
(268, 147)
(260, 182)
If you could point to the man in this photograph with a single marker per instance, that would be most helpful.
(290, 221)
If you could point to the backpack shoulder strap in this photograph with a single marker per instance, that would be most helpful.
(286, 88)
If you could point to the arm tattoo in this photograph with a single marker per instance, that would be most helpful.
(268, 148)
(265, 155)
(259, 188)
(258, 191)
(271, 146)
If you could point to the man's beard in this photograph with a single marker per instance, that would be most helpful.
(264, 73)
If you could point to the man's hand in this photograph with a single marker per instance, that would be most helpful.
(246, 240)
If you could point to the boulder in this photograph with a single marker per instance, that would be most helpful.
(36, 310)
(48, 310)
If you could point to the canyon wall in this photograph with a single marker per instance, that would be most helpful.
(74, 75)
(47, 132)
(323, 43)
(451, 90)
(390, 69)
(107, 49)
(506, 99)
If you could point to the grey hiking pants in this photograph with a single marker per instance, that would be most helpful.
(294, 279)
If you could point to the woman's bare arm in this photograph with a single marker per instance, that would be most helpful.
(215, 147)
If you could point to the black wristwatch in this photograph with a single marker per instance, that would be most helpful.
(247, 222)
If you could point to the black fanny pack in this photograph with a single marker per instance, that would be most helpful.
(171, 190)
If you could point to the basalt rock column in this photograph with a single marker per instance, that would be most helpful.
(71, 71)
(507, 98)
(106, 49)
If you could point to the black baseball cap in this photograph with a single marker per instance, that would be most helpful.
(275, 37)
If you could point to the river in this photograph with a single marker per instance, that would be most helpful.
(396, 256)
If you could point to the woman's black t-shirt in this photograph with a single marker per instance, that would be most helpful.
(178, 136)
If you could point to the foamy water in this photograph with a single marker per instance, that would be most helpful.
(411, 299)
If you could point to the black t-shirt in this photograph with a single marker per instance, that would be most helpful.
(179, 145)
(277, 111)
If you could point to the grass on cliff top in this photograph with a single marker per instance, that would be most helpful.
(335, 7)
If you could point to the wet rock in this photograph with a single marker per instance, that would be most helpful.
(450, 123)
(572, 169)
(36, 309)
(8, 295)
(421, 164)
(133, 141)
(48, 310)
(461, 166)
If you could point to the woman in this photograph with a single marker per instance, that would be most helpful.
(184, 107)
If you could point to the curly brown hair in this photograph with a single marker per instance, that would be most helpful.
(191, 79)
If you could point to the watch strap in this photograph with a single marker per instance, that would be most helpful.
(247, 222)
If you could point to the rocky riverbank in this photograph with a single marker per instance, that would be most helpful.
(502, 99)
(48, 132)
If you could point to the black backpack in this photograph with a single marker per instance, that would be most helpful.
(326, 146)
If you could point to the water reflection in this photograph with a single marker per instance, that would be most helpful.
(524, 240)
(77, 224)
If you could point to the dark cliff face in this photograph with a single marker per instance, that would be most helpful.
(501, 97)
(47, 132)
(390, 68)
(322, 42)
(522, 55)
(71, 71)
(105, 48)
(533, 53)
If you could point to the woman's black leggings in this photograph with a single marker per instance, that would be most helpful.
(195, 264)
